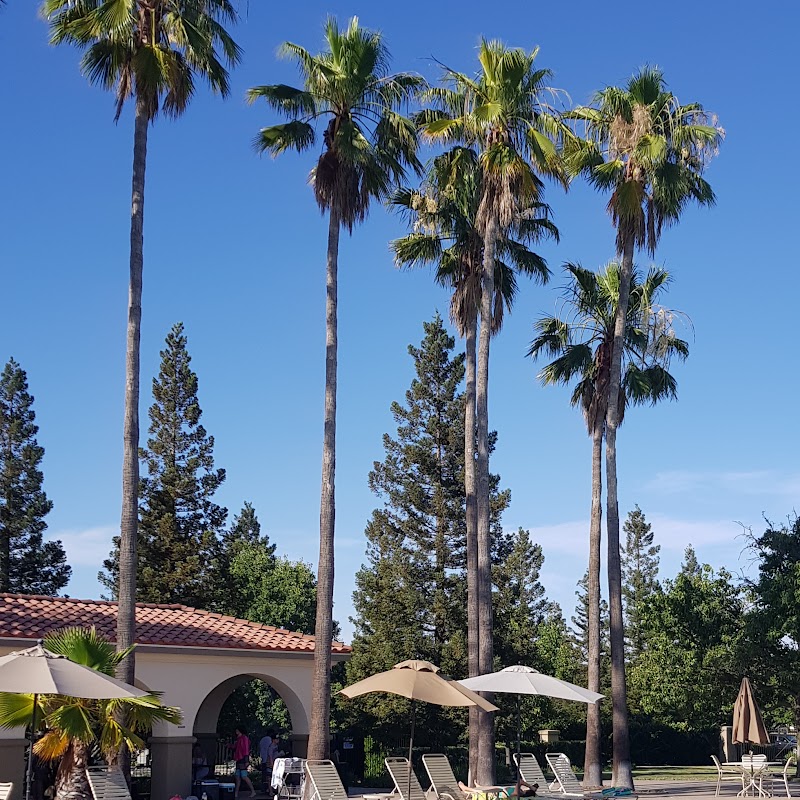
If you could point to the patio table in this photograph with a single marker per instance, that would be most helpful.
(753, 770)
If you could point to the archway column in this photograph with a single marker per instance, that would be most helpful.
(13, 745)
(171, 766)
(299, 744)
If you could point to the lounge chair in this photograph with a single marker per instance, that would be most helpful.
(325, 781)
(565, 782)
(727, 773)
(443, 780)
(531, 772)
(399, 770)
(5, 790)
(107, 783)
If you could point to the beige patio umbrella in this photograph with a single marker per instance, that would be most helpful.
(38, 671)
(748, 724)
(418, 680)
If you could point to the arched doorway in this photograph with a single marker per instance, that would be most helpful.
(257, 701)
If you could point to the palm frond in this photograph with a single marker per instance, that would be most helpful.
(294, 135)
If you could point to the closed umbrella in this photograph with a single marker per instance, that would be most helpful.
(748, 724)
(418, 680)
(38, 671)
(521, 680)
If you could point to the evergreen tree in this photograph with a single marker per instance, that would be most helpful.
(640, 559)
(28, 564)
(179, 522)
(690, 566)
(520, 607)
(580, 632)
(410, 597)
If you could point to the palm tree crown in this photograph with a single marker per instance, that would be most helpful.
(368, 144)
(443, 213)
(648, 150)
(581, 345)
(150, 49)
(505, 112)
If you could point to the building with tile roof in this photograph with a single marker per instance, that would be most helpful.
(195, 658)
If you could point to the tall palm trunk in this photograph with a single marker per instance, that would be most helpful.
(129, 524)
(71, 780)
(592, 765)
(318, 741)
(473, 655)
(621, 770)
(486, 651)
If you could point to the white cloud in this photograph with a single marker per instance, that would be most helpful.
(568, 538)
(86, 547)
(676, 534)
(753, 482)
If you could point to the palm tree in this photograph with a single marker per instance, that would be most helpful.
(72, 726)
(151, 51)
(649, 151)
(444, 213)
(502, 111)
(581, 347)
(368, 145)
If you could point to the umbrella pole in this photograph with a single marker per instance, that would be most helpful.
(410, 747)
(519, 746)
(29, 773)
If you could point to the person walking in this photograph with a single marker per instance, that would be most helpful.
(241, 755)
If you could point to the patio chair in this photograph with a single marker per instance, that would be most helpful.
(754, 766)
(107, 783)
(531, 772)
(443, 780)
(398, 769)
(783, 776)
(790, 762)
(5, 790)
(727, 773)
(565, 782)
(325, 781)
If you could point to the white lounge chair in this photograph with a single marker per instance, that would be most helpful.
(531, 772)
(325, 781)
(727, 773)
(5, 790)
(443, 779)
(565, 782)
(107, 783)
(399, 770)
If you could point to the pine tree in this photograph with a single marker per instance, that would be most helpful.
(690, 566)
(580, 631)
(640, 559)
(28, 564)
(520, 606)
(410, 597)
(179, 522)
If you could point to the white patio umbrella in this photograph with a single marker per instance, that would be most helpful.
(418, 680)
(521, 680)
(38, 671)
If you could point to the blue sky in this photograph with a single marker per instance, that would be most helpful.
(234, 247)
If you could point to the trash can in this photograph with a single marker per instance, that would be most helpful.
(208, 788)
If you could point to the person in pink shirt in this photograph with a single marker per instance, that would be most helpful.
(241, 755)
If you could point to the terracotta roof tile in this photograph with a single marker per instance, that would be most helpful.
(34, 616)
